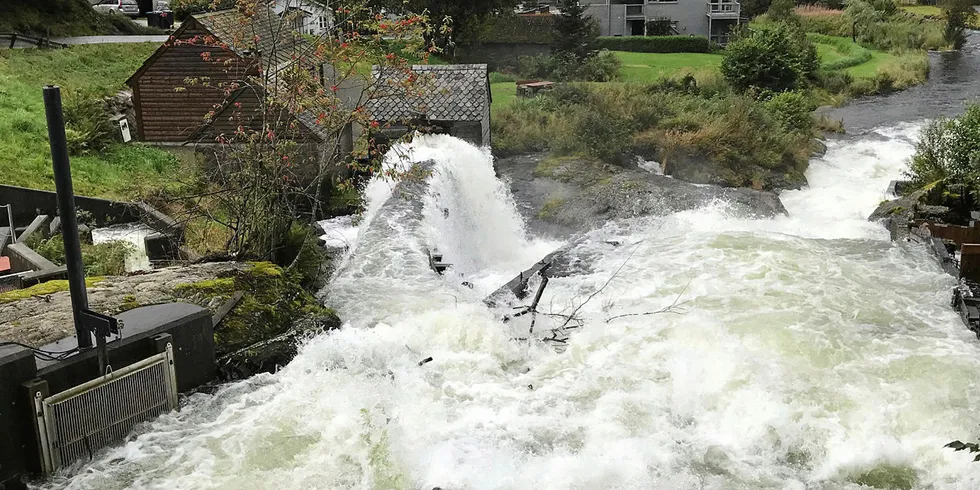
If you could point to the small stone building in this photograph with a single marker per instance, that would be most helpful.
(450, 99)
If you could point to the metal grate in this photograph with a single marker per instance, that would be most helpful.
(78, 422)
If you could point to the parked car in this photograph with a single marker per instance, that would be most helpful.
(125, 7)
(163, 6)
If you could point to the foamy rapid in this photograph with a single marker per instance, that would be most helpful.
(804, 352)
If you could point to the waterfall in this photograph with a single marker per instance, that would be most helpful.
(801, 352)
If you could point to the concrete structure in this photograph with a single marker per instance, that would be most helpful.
(451, 99)
(22, 374)
(713, 19)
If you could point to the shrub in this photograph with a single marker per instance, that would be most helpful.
(87, 125)
(656, 44)
(740, 140)
(771, 57)
(540, 66)
(497, 77)
(604, 134)
(792, 110)
(835, 81)
(104, 259)
(949, 150)
(660, 26)
(603, 67)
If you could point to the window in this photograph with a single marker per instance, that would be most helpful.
(324, 22)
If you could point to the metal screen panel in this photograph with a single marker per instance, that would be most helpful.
(80, 421)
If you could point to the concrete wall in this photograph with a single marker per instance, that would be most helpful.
(21, 374)
(28, 203)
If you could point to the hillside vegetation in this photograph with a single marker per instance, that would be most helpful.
(84, 73)
(57, 18)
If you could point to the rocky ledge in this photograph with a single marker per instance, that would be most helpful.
(569, 194)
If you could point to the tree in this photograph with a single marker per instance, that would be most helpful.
(782, 11)
(949, 150)
(959, 17)
(460, 20)
(575, 34)
(773, 57)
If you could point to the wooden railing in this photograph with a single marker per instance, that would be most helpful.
(8, 40)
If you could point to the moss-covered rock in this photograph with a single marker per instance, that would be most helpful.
(43, 289)
(272, 301)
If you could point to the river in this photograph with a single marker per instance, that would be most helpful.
(801, 352)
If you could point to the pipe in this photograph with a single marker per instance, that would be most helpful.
(66, 209)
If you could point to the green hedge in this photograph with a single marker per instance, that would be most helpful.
(656, 44)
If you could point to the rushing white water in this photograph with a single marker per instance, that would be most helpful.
(133, 234)
(804, 352)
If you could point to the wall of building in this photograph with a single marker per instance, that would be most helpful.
(168, 107)
(691, 17)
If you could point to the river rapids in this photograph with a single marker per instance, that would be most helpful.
(801, 352)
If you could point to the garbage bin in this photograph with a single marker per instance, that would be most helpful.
(166, 19)
(153, 19)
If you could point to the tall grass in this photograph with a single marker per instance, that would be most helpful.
(743, 141)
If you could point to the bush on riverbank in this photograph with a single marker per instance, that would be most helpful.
(876, 23)
(773, 56)
(948, 151)
(739, 140)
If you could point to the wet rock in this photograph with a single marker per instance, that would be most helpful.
(269, 355)
(579, 194)
(898, 214)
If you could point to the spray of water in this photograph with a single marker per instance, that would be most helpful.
(813, 354)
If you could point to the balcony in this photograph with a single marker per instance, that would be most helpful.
(634, 11)
(724, 9)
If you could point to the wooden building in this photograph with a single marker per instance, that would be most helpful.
(451, 99)
(204, 65)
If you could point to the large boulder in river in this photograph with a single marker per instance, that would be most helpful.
(577, 193)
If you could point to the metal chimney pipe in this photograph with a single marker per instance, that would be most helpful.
(66, 209)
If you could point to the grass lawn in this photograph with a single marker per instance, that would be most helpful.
(503, 93)
(835, 49)
(649, 67)
(25, 158)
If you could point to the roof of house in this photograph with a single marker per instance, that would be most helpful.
(264, 33)
(443, 93)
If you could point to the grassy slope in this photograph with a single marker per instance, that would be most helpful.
(63, 18)
(24, 152)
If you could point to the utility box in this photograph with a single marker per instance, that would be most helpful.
(123, 124)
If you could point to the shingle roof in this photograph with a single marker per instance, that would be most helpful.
(265, 33)
(443, 93)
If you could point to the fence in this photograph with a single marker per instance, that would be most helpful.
(21, 41)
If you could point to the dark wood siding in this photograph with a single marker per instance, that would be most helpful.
(169, 107)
